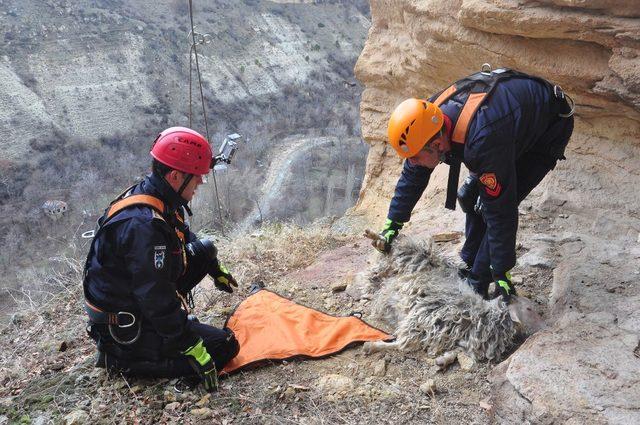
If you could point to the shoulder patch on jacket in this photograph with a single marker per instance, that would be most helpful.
(491, 184)
(158, 256)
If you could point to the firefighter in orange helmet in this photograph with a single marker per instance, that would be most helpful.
(509, 129)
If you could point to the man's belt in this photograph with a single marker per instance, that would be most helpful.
(121, 319)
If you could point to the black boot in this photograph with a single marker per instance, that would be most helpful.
(109, 362)
(464, 271)
(476, 285)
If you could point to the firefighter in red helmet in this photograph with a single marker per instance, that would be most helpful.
(142, 264)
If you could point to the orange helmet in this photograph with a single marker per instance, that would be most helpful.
(412, 124)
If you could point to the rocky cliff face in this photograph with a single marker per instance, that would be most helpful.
(580, 228)
(87, 69)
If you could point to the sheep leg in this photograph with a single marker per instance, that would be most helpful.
(446, 359)
(378, 346)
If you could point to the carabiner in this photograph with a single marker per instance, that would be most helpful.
(119, 341)
(126, 313)
(572, 104)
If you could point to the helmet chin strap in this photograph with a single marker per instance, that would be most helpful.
(186, 181)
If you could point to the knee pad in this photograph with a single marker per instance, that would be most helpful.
(234, 345)
(468, 194)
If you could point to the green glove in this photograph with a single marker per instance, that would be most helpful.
(504, 285)
(222, 278)
(389, 232)
(201, 361)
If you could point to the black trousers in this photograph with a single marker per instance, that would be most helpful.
(221, 344)
(531, 168)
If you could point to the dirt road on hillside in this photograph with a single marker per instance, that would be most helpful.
(279, 171)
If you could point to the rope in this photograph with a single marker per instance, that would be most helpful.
(194, 52)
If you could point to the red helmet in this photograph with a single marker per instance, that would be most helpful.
(184, 150)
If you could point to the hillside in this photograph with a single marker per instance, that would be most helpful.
(87, 85)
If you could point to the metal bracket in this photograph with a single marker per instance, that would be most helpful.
(126, 313)
(200, 38)
(572, 104)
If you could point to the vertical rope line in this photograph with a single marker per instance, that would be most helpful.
(194, 52)
(190, 89)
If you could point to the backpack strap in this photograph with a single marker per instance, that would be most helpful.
(466, 115)
(120, 203)
(129, 201)
(479, 85)
(445, 95)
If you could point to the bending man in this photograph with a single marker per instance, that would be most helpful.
(509, 129)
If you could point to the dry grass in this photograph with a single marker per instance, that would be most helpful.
(270, 252)
(46, 361)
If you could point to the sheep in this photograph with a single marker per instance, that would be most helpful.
(414, 291)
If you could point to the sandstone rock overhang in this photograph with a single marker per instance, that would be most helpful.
(587, 226)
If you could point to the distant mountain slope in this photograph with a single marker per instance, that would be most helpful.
(92, 67)
(86, 85)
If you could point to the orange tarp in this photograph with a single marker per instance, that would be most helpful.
(271, 327)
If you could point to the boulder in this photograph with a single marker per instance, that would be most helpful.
(582, 369)
(76, 417)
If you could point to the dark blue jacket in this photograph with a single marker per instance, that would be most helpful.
(139, 262)
(509, 123)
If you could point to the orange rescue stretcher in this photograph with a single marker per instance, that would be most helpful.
(270, 327)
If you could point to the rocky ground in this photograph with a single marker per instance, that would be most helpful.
(47, 372)
(584, 365)
(580, 228)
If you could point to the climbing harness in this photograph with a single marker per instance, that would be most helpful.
(126, 319)
(121, 319)
(480, 86)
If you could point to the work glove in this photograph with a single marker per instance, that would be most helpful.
(222, 278)
(504, 285)
(383, 240)
(205, 249)
(201, 361)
